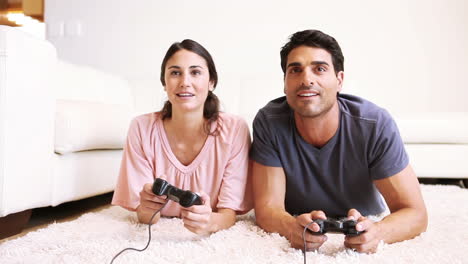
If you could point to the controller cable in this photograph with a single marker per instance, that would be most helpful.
(303, 238)
(149, 236)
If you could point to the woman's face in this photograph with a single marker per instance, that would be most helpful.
(187, 81)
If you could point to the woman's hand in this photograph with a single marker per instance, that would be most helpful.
(198, 218)
(149, 203)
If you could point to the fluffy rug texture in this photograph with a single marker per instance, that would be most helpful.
(97, 237)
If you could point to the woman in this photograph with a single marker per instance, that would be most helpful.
(190, 144)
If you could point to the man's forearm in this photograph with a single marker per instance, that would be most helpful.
(275, 220)
(403, 196)
(403, 224)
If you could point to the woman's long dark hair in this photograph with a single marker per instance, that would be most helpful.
(211, 106)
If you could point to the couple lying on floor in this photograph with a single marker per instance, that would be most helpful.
(315, 153)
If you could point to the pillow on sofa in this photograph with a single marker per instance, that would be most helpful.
(83, 125)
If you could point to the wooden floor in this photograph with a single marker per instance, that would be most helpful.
(42, 217)
(458, 182)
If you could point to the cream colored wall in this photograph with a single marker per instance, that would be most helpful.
(407, 56)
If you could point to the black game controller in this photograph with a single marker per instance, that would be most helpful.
(347, 227)
(184, 198)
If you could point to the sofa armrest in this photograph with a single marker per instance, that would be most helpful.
(27, 107)
(84, 126)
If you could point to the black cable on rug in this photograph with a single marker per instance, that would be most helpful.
(149, 236)
(303, 238)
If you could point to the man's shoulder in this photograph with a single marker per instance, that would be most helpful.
(362, 110)
(277, 108)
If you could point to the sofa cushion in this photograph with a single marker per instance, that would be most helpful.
(81, 82)
(83, 125)
(437, 127)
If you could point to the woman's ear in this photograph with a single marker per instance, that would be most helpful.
(211, 86)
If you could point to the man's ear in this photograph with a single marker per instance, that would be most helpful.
(340, 79)
(284, 83)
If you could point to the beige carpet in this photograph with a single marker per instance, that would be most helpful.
(97, 237)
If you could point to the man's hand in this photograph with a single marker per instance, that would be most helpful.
(313, 242)
(149, 203)
(197, 218)
(366, 242)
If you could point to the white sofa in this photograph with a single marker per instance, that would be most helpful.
(437, 143)
(62, 126)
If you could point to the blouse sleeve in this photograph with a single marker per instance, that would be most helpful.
(135, 169)
(235, 192)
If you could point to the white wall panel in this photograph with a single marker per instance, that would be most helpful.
(408, 56)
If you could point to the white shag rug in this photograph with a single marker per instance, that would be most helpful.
(97, 237)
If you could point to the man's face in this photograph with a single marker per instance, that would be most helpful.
(310, 83)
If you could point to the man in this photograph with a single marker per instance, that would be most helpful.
(318, 153)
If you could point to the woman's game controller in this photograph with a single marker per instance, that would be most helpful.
(184, 198)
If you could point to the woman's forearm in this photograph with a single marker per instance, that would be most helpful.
(222, 219)
(144, 216)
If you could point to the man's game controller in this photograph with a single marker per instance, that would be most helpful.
(347, 227)
(184, 198)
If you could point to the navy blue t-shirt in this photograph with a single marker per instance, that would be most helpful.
(338, 176)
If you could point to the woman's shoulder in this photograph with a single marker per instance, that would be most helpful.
(232, 126)
(145, 121)
(231, 121)
(147, 117)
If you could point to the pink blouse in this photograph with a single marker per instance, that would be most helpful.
(220, 169)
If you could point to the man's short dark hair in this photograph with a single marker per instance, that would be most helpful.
(316, 39)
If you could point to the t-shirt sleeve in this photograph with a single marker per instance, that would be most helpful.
(263, 149)
(387, 155)
(236, 191)
(135, 169)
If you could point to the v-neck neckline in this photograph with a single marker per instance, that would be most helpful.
(329, 145)
(172, 157)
